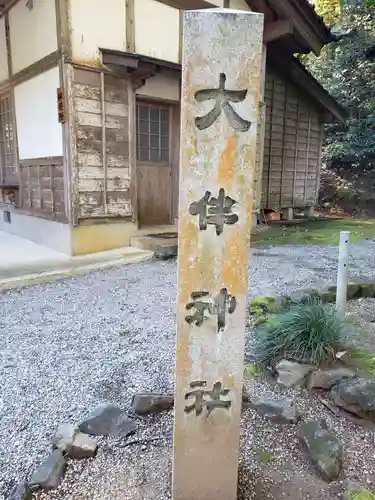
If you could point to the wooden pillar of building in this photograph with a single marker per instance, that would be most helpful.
(222, 59)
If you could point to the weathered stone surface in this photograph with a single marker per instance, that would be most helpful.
(74, 443)
(165, 252)
(353, 291)
(358, 494)
(328, 297)
(142, 404)
(63, 439)
(367, 290)
(49, 474)
(20, 491)
(278, 410)
(356, 396)
(325, 379)
(291, 374)
(83, 446)
(324, 449)
(108, 420)
(222, 57)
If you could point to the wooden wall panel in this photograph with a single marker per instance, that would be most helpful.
(42, 188)
(101, 109)
(292, 147)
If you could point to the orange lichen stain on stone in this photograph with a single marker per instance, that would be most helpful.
(234, 256)
(227, 166)
(189, 273)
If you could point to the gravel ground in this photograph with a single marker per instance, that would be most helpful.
(72, 344)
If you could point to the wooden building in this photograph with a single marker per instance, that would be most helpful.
(90, 107)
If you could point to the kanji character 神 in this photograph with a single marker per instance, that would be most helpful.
(218, 306)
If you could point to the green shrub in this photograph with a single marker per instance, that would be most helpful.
(310, 333)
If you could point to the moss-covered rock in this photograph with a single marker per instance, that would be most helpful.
(360, 494)
(262, 305)
(252, 370)
(367, 290)
(328, 297)
(353, 291)
(261, 320)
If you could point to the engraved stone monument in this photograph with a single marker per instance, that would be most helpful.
(222, 53)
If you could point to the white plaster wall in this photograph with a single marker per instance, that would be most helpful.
(161, 86)
(3, 52)
(96, 24)
(39, 132)
(33, 32)
(52, 234)
(239, 4)
(157, 30)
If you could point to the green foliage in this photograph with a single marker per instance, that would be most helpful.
(310, 333)
(252, 370)
(361, 494)
(362, 360)
(265, 457)
(346, 69)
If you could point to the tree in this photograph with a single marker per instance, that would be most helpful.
(346, 69)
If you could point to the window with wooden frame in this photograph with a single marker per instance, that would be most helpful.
(8, 162)
(153, 133)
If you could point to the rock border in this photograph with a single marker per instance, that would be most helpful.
(263, 305)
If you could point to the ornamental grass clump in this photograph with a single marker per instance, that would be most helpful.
(309, 333)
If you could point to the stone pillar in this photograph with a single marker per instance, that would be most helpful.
(222, 55)
(309, 212)
(288, 213)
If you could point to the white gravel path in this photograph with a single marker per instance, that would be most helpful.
(72, 344)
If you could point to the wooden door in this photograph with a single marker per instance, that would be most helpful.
(154, 161)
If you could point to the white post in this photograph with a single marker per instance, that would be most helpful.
(342, 274)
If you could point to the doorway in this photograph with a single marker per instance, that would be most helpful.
(154, 163)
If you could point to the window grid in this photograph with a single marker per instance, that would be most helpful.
(153, 134)
(8, 170)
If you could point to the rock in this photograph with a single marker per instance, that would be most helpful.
(63, 439)
(325, 379)
(73, 442)
(367, 290)
(20, 491)
(142, 404)
(83, 446)
(356, 396)
(245, 396)
(282, 410)
(358, 494)
(353, 291)
(291, 374)
(328, 297)
(49, 474)
(108, 420)
(325, 450)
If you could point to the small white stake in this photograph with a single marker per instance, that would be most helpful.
(342, 274)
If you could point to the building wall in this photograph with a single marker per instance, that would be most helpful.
(157, 30)
(101, 172)
(239, 4)
(40, 212)
(161, 86)
(4, 72)
(38, 129)
(292, 146)
(96, 24)
(33, 32)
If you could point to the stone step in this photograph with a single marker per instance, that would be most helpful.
(164, 246)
